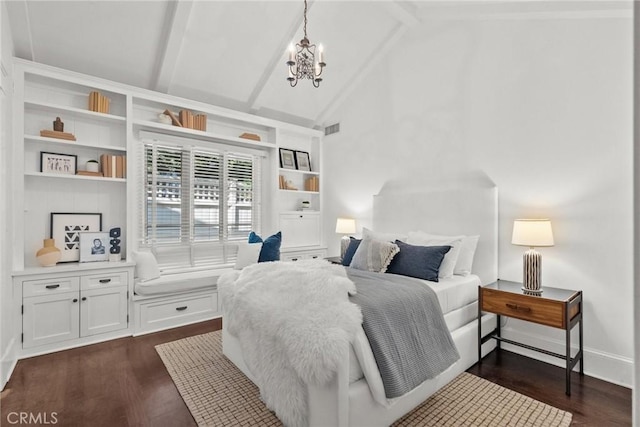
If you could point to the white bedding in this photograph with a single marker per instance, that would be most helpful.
(458, 299)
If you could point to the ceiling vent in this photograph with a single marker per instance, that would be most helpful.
(335, 128)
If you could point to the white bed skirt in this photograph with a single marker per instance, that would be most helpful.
(342, 404)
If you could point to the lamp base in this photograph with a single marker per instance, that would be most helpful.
(532, 271)
(530, 292)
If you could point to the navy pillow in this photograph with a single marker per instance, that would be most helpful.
(351, 250)
(270, 246)
(422, 262)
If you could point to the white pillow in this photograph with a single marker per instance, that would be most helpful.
(449, 262)
(374, 255)
(465, 259)
(248, 253)
(146, 266)
(385, 237)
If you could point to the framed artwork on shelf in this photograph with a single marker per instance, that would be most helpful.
(287, 159)
(66, 229)
(66, 164)
(302, 160)
(93, 246)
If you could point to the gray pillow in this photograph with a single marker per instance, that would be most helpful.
(374, 255)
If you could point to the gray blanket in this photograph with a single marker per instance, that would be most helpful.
(405, 327)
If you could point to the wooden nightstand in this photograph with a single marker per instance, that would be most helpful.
(334, 260)
(558, 308)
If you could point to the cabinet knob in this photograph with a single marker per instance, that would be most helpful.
(104, 280)
(56, 286)
(184, 307)
(294, 259)
(84, 298)
(75, 300)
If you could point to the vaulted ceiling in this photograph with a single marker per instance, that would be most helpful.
(232, 53)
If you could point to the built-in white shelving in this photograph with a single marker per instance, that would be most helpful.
(74, 177)
(72, 111)
(64, 142)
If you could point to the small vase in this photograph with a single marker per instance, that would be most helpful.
(49, 255)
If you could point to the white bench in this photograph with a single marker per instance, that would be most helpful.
(174, 300)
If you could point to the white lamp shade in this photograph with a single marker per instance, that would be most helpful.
(345, 226)
(532, 232)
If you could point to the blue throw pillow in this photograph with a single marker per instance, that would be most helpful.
(422, 262)
(351, 250)
(270, 246)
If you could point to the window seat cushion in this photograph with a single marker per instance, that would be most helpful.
(179, 282)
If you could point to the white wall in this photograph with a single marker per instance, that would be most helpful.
(544, 107)
(7, 358)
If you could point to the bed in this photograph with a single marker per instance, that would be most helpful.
(349, 399)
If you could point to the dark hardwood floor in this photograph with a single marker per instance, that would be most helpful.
(124, 383)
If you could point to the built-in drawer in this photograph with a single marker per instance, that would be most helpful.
(177, 311)
(300, 255)
(111, 278)
(530, 308)
(32, 288)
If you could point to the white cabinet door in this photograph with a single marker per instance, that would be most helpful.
(50, 318)
(103, 310)
(301, 229)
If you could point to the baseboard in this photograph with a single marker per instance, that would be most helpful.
(598, 364)
(8, 363)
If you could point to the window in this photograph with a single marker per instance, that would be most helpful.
(196, 201)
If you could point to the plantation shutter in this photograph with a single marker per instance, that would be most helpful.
(195, 201)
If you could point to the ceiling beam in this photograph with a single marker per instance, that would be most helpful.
(21, 29)
(175, 27)
(403, 12)
(276, 60)
(406, 15)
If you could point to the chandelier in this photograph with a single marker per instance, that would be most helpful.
(302, 59)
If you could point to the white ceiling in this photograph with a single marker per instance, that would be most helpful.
(232, 53)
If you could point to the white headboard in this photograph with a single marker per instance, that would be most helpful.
(469, 208)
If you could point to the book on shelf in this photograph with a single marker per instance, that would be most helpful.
(113, 166)
(99, 103)
(57, 134)
(312, 184)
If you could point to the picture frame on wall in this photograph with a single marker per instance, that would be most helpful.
(302, 161)
(287, 159)
(94, 246)
(65, 164)
(66, 228)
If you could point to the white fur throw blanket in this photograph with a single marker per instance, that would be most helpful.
(294, 321)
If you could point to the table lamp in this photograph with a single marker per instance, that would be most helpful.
(345, 226)
(533, 233)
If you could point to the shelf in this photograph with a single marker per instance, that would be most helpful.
(298, 191)
(65, 267)
(201, 135)
(298, 171)
(64, 142)
(306, 212)
(75, 112)
(80, 177)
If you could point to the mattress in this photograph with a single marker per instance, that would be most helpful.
(457, 296)
(175, 283)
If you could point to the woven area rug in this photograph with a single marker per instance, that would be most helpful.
(218, 394)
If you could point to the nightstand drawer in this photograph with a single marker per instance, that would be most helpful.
(530, 308)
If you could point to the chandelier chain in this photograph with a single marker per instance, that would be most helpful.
(305, 19)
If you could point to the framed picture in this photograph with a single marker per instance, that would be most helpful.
(287, 159)
(93, 246)
(66, 164)
(302, 160)
(66, 229)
